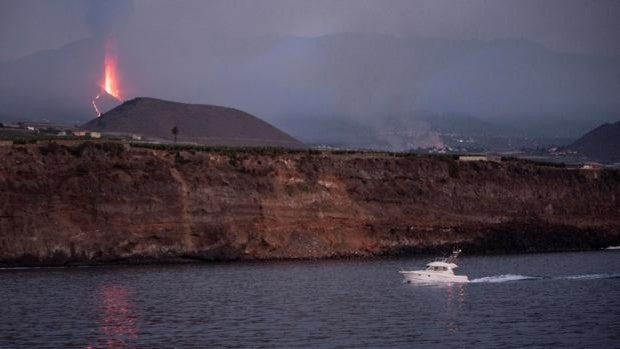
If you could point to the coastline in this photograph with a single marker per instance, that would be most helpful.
(109, 203)
(190, 261)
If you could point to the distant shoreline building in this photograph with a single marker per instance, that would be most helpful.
(494, 158)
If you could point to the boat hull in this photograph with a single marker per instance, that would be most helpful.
(430, 277)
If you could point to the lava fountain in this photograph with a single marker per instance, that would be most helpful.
(110, 81)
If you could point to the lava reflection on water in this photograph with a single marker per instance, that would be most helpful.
(118, 321)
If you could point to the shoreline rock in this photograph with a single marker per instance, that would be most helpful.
(100, 203)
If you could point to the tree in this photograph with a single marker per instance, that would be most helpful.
(175, 132)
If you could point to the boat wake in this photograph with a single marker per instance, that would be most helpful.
(504, 278)
(512, 277)
(589, 277)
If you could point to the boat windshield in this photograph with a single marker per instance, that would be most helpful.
(435, 268)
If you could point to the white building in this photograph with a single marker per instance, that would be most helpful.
(495, 158)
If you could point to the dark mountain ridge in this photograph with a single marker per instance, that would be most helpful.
(196, 123)
(601, 144)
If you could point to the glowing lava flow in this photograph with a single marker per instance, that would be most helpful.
(109, 83)
(95, 104)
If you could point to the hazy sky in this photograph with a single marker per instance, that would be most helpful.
(291, 61)
(27, 26)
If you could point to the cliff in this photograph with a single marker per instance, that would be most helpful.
(107, 202)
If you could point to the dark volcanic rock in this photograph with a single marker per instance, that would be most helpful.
(601, 144)
(196, 123)
(103, 202)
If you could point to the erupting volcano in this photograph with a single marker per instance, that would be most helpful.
(110, 81)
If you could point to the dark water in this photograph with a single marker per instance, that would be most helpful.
(573, 301)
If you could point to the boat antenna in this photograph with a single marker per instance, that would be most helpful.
(454, 256)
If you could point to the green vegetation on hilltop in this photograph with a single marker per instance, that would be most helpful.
(117, 146)
(224, 150)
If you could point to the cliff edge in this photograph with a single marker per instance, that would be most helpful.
(108, 202)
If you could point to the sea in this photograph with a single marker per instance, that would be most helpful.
(551, 300)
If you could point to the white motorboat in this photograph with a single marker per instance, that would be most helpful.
(438, 271)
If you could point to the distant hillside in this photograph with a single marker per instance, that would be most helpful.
(52, 85)
(601, 144)
(513, 84)
(459, 123)
(344, 79)
(204, 124)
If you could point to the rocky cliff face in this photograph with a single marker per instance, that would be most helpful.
(101, 203)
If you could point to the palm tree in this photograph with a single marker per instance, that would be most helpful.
(175, 132)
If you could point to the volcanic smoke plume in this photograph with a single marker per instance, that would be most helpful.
(110, 94)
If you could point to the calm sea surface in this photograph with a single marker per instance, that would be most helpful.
(541, 300)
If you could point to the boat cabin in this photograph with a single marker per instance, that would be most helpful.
(440, 267)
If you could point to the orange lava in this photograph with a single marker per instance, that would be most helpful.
(95, 104)
(110, 82)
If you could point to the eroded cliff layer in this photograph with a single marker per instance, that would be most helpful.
(101, 203)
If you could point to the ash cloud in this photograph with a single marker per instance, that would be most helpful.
(107, 17)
